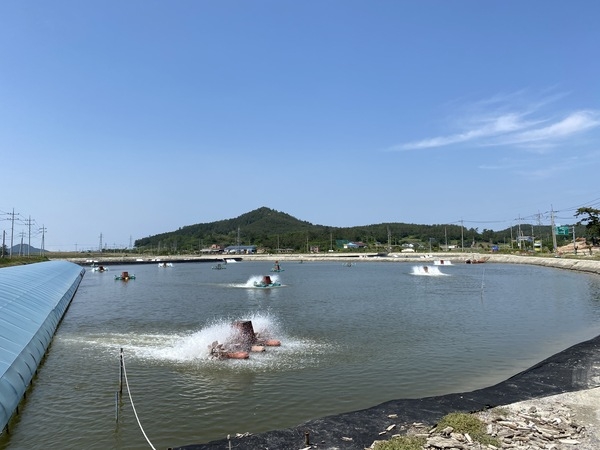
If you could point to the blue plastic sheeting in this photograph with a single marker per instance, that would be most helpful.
(33, 300)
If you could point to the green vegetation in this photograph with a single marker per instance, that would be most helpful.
(401, 443)
(468, 423)
(20, 260)
(273, 231)
(459, 422)
(592, 222)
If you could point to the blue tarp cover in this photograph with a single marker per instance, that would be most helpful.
(33, 300)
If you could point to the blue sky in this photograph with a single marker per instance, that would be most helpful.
(125, 119)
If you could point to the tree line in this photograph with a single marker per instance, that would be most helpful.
(274, 231)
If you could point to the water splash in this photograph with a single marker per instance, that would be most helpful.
(195, 346)
(255, 279)
(192, 349)
(442, 262)
(429, 271)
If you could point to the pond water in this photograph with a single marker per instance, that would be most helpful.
(353, 336)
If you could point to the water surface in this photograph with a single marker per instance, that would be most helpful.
(352, 337)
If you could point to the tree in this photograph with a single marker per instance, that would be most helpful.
(591, 221)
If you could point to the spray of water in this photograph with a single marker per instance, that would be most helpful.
(442, 262)
(196, 345)
(192, 349)
(428, 271)
(255, 279)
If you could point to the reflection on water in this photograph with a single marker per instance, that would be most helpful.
(351, 338)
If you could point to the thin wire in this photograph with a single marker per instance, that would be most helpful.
(132, 405)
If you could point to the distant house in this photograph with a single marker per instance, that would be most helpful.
(240, 249)
(215, 248)
(344, 243)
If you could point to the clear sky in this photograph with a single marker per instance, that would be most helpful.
(129, 118)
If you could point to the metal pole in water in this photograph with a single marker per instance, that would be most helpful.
(121, 372)
(119, 394)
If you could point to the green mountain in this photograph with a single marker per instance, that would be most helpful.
(273, 230)
(260, 227)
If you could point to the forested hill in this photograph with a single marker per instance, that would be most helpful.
(270, 229)
(260, 224)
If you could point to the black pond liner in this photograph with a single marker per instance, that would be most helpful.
(573, 369)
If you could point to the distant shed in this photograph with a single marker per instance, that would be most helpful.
(33, 300)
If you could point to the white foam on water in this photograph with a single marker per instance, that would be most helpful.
(194, 348)
(442, 262)
(255, 279)
(427, 271)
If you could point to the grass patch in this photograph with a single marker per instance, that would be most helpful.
(468, 423)
(462, 423)
(401, 443)
(6, 261)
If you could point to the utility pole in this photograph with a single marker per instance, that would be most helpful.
(12, 232)
(539, 224)
(462, 236)
(446, 237)
(29, 236)
(554, 246)
(511, 237)
(21, 252)
(519, 234)
(43, 236)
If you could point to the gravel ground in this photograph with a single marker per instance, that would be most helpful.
(581, 407)
(567, 421)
